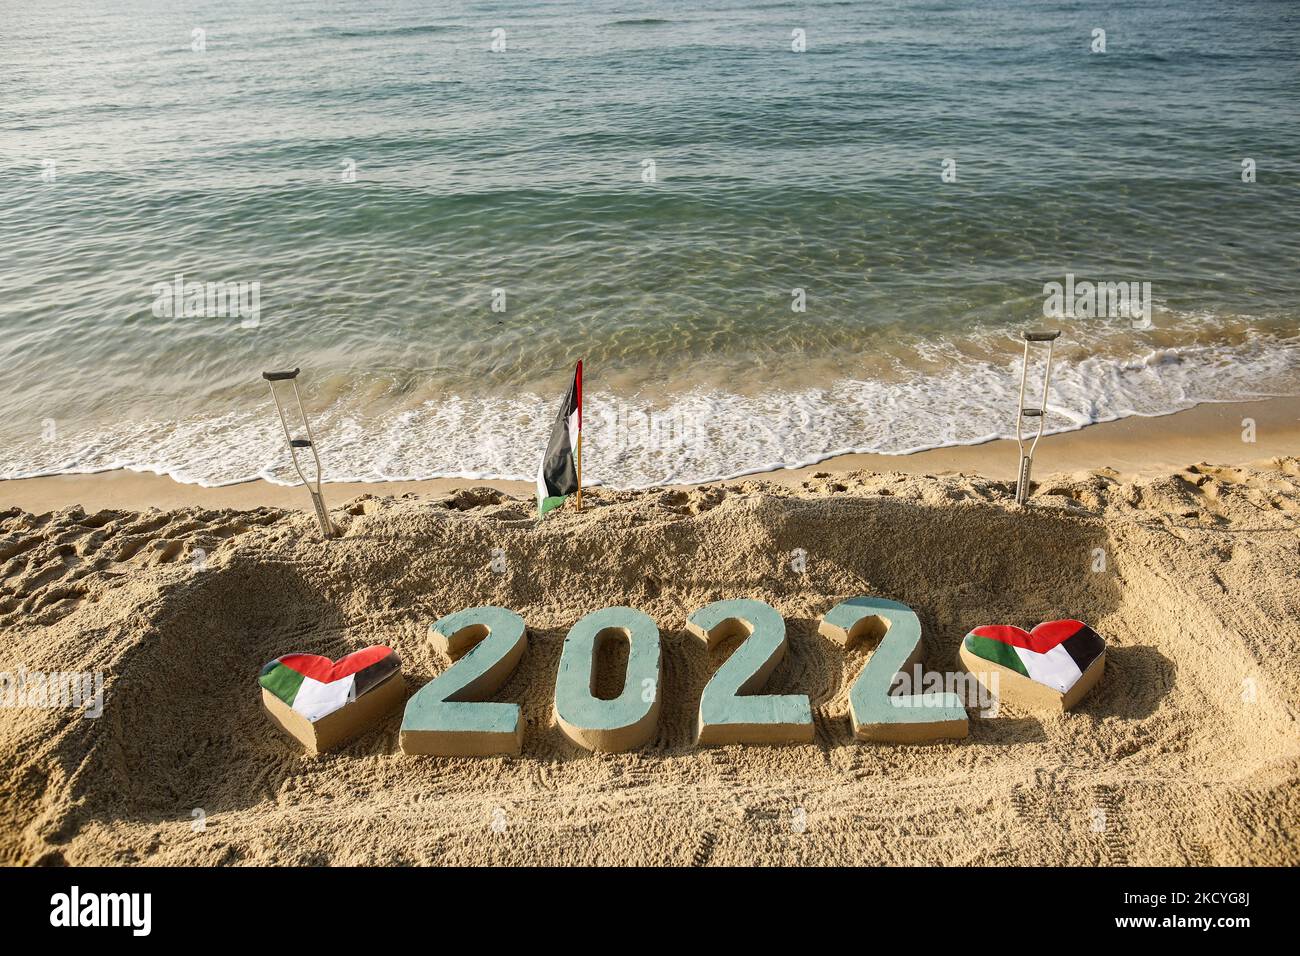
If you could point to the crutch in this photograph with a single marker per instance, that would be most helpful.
(326, 526)
(1027, 458)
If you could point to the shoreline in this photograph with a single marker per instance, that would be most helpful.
(1132, 447)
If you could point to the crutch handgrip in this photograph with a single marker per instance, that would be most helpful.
(280, 376)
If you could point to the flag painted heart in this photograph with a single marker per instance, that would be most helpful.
(315, 686)
(1055, 654)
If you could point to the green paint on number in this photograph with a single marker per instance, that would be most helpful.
(628, 720)
(727, 714)
(448, 716)
(876, 713)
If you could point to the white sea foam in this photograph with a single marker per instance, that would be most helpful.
(697, 435)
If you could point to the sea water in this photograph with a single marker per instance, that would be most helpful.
(774, 231)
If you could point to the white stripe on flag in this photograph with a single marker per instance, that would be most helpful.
(542, 493)
(1056, 668)
(314, 699)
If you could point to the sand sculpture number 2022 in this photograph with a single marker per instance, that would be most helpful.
(449, 716)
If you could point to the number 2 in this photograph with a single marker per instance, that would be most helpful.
(877, 714)
(728, 717)
(448, 716)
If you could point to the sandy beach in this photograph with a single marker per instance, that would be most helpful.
(1186, 754)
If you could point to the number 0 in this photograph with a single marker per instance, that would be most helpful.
(630, 719)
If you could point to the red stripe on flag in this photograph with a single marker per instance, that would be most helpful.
(1040, 640)
(327, 671)
(577, 380)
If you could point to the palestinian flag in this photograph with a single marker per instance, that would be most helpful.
(557, 476)
(316, 686)
(1055, 653)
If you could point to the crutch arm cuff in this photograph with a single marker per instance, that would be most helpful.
(280, 376)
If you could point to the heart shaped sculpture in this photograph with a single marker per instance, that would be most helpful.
(324, 703)
(1053, 666)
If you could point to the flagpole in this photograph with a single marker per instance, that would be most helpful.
(579, 455)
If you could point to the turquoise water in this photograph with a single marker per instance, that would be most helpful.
(522, 170)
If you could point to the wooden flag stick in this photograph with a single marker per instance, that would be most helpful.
(577, 384)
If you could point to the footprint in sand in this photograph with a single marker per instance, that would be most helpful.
(51, 564)
(1268, 491)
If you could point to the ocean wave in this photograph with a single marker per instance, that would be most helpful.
(688, 436)
(355, 32)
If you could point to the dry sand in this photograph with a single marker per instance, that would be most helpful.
(1187, 753)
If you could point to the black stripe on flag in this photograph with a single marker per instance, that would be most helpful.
(1085, 646)
(376, 673)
